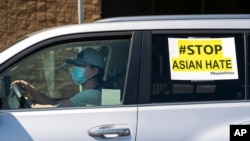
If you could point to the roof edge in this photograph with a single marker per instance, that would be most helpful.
(174, 17)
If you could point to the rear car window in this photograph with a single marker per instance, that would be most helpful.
(197, 67)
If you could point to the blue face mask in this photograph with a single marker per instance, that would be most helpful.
(78, 75)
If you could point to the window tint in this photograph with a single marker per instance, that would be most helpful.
(197, 67)
(48, 71)
(248, 66)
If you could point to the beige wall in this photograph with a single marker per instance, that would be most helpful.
(21, 17)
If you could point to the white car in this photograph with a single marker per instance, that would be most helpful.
(167, 78)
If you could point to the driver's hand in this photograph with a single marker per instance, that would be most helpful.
(23, 85)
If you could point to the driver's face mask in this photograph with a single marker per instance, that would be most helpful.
(78, 75)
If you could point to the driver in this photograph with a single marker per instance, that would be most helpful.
(87, 71)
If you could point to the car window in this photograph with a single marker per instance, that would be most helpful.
(197, 67)
(248, 67)
(48, 71)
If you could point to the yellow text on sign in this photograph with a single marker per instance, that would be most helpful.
(201, 55)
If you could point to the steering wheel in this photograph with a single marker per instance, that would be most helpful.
(24, 103)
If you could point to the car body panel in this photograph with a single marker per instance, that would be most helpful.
(190, 121)
(64, 124)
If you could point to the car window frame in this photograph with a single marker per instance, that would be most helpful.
(145, 74)
(130, 89)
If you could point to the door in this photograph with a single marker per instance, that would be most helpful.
(196, 86)
(24, 117)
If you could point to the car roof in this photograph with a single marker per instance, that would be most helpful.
(131, 24)
(176, 17)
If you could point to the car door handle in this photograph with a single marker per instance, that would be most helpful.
(110, 130)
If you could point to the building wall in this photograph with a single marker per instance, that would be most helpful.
(21, 17)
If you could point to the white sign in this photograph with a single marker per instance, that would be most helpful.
(202, 58)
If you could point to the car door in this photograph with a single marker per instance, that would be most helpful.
(187, 94)
(43, 65)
